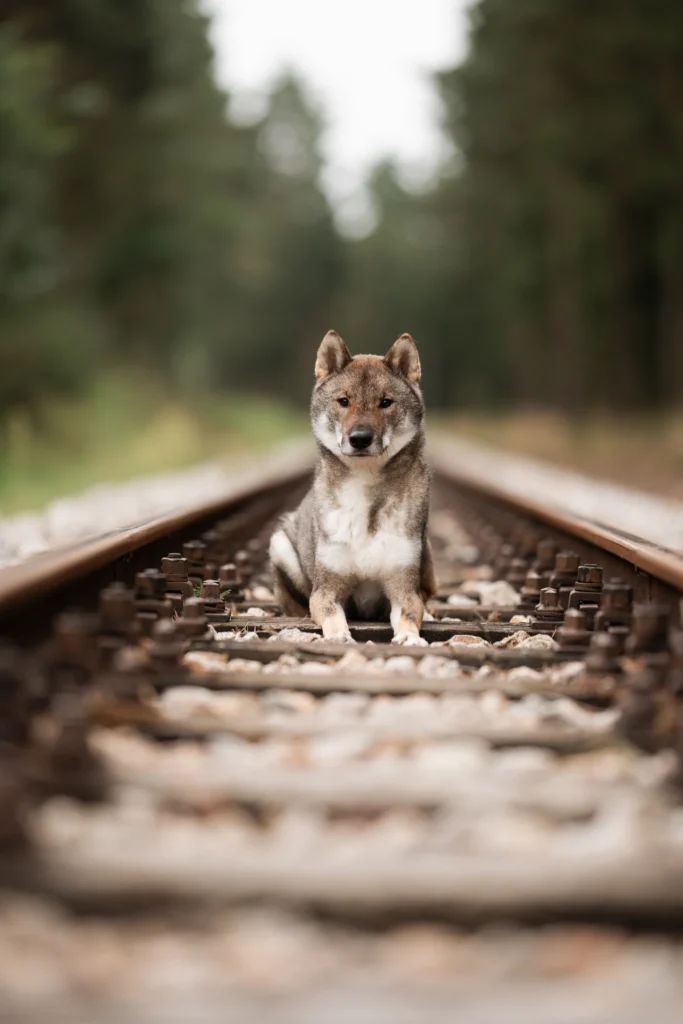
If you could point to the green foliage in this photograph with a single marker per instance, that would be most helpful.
(139, 227)
(553, 271)
(143, 233)
(30, 145)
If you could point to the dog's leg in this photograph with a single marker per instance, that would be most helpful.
(285, 595)
(327, 609)
(291, 586)
(428, 583)
(407, 610)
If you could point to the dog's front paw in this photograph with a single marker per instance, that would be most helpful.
(407, 639)
(339, 638)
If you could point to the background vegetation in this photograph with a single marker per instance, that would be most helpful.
(156, 259)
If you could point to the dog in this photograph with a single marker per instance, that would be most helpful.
(357, 544)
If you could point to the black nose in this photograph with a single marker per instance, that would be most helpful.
(360, 438)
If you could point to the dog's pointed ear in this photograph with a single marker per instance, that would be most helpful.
(403, 359)
(333, 356)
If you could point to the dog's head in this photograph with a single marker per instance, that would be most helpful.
(366, 406)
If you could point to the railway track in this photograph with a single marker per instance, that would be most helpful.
(209, 813)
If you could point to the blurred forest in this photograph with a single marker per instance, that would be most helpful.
(546, 266)
(143, 234)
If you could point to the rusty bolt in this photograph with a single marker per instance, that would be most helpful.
(150, 584)
(174, 568)
(567, 562)
(74, 653)
(573, 635)
(214, 604)
(229, 577)
(211, 590)
(143, 586)
(585, 594)
(603, 655)
(620, 634)
(618, 594)
(616, 604)
(546, 553)
(117, 609)
(151, 602)
(650, 717)
(527, 541)
(548, 612)
(168, 645)
(74, 768)
(158, 581)
(564, 575)
(517, 573)
(195, 553)
(531, 591)
(215, 548)
(118, 624)
(650, 629)
(548, 600)
(243, 562)
(193, 622)
(574, 621)
(230, 583)
(589, 576)
(503, 561)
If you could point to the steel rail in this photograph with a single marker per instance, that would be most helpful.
(638, 553)
(279, 478)
(38, 577)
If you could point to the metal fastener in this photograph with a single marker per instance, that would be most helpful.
(573, 635)
(564, 575)
(548, 613)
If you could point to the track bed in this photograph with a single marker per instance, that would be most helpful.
(209, 813)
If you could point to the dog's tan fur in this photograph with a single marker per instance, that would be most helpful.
(358, 544)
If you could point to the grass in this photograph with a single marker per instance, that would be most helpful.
(127, 427)
(643, 452)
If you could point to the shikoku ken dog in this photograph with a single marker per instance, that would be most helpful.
(357, 544)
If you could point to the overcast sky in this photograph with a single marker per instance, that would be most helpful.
(367, 62)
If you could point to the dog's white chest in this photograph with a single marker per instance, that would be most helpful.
(350, 547)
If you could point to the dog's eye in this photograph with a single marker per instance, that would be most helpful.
(344, 402)
(385, 403)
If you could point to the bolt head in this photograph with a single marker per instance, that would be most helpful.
(194, 608)
(548, 598)
(211, 590)
(227, 574)
(574, 621)
(546, 552)
(194, 549)
(590, 574)
(651, 618)
(566, 561)
(174, 565)
(164, 629)
(605, 643)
